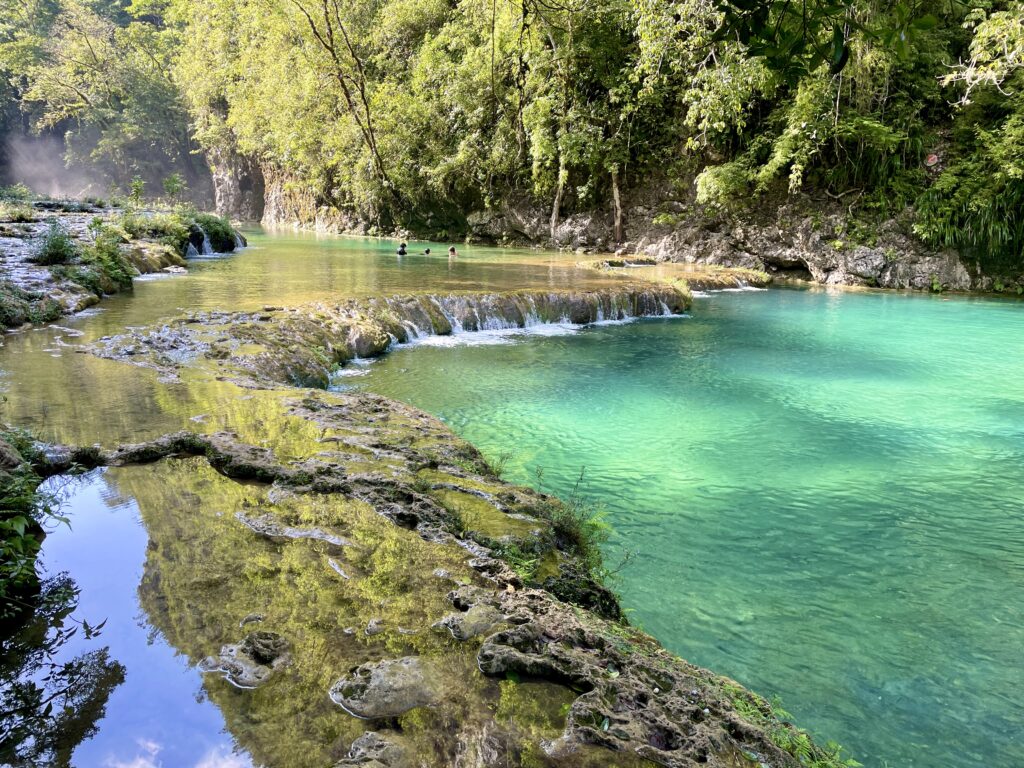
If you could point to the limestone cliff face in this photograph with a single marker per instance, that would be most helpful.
(813, 247)
(290, 202)
(238, 185)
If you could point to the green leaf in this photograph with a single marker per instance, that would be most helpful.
(924, 23)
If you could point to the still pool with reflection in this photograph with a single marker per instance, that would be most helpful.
(822, 490)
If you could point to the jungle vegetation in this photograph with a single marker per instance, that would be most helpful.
(414, 112)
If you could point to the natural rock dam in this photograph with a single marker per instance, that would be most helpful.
(303, 345)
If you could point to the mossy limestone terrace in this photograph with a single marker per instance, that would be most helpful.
(435, 636)
(304, 345)
(60, 257)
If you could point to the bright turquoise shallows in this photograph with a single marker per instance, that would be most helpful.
(824, 490)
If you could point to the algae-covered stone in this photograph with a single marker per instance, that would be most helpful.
(250, 663)
(371, 750)
(368, 340)
(478, 620)
(387, 688)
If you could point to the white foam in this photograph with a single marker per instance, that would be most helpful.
(496, 335)
(348, 372)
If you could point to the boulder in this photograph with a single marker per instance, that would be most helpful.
(387, 688)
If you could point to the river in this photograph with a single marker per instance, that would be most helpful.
(816, 493)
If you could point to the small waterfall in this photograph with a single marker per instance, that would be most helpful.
(207, 247)
(401, 319)
(191, 252)
(239, 242)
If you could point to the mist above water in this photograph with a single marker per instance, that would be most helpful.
(38, 162)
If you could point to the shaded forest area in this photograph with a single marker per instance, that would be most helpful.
(413, 113)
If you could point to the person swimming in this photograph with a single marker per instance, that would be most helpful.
(426, 252)
(451, 252)
(401, 250)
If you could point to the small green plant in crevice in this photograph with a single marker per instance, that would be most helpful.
(668, 219)
(56, 246)
(522, 562)
(936, 284)
(136, 189)
(579, 526)
(174, 187)
(100, 267)
(496, 466)
(776, 723)
(421, 485)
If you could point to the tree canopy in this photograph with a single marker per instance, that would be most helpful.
(414, 112)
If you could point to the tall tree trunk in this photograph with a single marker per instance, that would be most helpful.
(618, 206)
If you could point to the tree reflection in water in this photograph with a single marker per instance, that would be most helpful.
(50, 706)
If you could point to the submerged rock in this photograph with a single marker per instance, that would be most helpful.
(387, 688)
(478, 620)
(371, 750)
(250, 664)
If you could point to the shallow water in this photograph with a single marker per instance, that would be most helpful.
(823, 492)
(77, 398)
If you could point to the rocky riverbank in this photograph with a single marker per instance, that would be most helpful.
(101, 250)
(812, 240)
(815, 240)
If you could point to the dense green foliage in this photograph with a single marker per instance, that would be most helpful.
(23, 513)
(99, 74)
(414, 112)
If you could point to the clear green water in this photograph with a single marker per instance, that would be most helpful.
(824, 489)
(824, 492)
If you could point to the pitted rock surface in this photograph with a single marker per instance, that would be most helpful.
(250, 664)
(387, 688)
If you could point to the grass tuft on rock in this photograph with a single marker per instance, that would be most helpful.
(56, 247)
(16, 212)
(168, 228)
